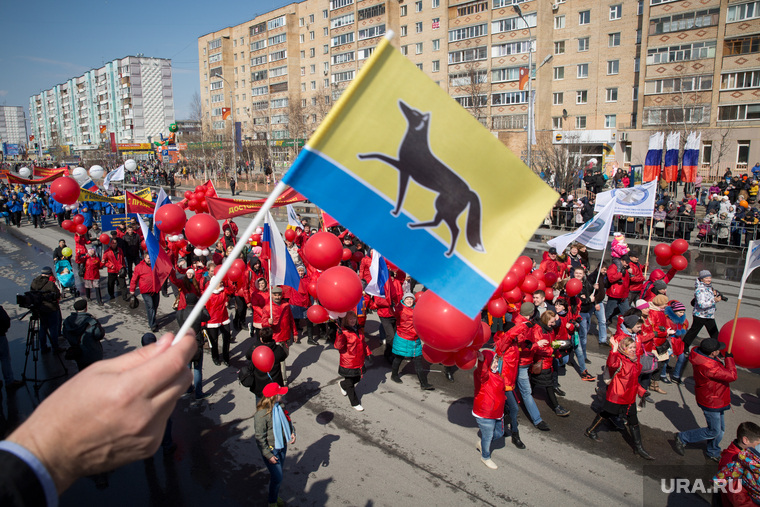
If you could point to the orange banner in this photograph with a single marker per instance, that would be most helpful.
(136, 204)
(43, 172)
(17, 179)
(222, 208)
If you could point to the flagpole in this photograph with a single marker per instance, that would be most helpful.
(269, 270)
(649, 245)
(736, 317)
(222, 270)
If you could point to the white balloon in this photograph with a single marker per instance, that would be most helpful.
(24, 172)
(198, 252)
(130, 165)
(80, 174)
(96, 172)
(334, 315)
(259, 230)
(205, 251)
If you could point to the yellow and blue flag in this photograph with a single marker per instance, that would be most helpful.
(409, 171)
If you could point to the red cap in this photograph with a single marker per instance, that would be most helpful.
(273, 389)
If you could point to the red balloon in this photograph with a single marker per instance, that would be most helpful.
(509, 282)
(663, 261)
(573, 287)
(81, 229)
(679, 262)
(238, 264)
(170, 219)
(312, 288)
(65, 190)
(104, 239)
(551, 278)
(357, 257)
(450, 360)
(290, 234)
(529, 285)
(210, 192)
(202, 230)
(143, 246)
(68, 225)
(323, 250)
(515, 295)
(347, 253)
(679, 246)
(525, 262)
(549, 294)
(538, 275)
(432, 355)
(466, 359)
(263, 358)
(77, 219)
(527, 298)
(541, 285)
(192, 204)
(746, 346)
(481, 336)
(189, 194)
(663, 251)
(233, 274)
(442, 326)
(256, 238)
(497, 307)
(339, 289)
(317, 314)
(200, 188)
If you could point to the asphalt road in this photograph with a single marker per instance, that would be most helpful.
(408, 447)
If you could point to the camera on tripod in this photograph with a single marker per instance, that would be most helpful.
(32, 300)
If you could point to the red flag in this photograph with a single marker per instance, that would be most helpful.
(222, 208)
(136, 204)
(18, 179)
(329, 221)
(524, 76)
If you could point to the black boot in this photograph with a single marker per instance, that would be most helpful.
(422, 375)
(591, 430)
(636, 435)
(310, 334)
(394, 370)
(516, 440)
(87, 294)
(100, 297)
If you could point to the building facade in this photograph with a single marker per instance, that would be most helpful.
(13, 128)
(131, 97)
(605, 74)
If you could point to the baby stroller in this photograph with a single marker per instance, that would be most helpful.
(66, 278)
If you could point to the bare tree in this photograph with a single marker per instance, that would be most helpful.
(557, 160)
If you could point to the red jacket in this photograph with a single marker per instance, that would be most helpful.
(489, 390)
(659, 324)
(625, 379)
(386, 306)
(509, 352)
(352, 348)
(676, 341)
(143, 277)
(217, 306)
(92, 265)
(282, 321)
(619, 282)
(637, 277)
(113, 260)
(364, 265)
(712, 379)
(548, 265)
(546, 352)
(404, 326)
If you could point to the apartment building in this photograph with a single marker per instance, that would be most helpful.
(13, 125)
(131, 97)
(599, 70)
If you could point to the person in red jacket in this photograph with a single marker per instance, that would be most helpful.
(353, 351)
(620, 399)
(277, 315)
(619, 279)
(524, 335)
(115, 264)
(219, 322)
(637, 276)
(676, 315)
(92, 267)
(543, 335)
(508, 351)
(406, 343)
(144, 279)
(552, 265)
(488, 405)
(747, 437)
(386, 310)
(711, 378)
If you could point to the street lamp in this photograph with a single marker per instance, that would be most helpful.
(518, 11)
(232, 121)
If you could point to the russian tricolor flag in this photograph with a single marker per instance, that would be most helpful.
(282, 269)
(653, 161)
(378, 270)
(672, 147)
(691, 157)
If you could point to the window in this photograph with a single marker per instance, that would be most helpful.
(512, 48)
(219, 125)
(325, 49)
(504, 98)
(635, 94)
(508, 74)
(436, 3)
(311, 17)
(419, 65)
(638, 36)
(580, 122)
(217, 85)
(685, 21)
(279, 119)
(683, 52)
(364, 53)
(581, 97)
(616, 12)
(436, 24)
(215, 58)
(277, 39)
(583, 44)
(214, 44)
(259, 60)
(739, 112)
(742, 152)
(613, 40)
(636, 63)
(640, 8)
(344, 38)
(256, 45)
(418, 6)
(470, 101)
(259, 75)
(472, 8)
(312, 69)
(559, 73)
(559, 22)
(743, 11)
(613, 67)
(278, 55)
(741, 46)
(418, 48)
(341, 77)
(278, 71)
(372, 31)
(558, 98)
(336, 4)
(312, 52)
(260, 105)
(403, 31)
(559, 47)
(260, 90)
(465, 78)
(584, 17)
(343, 58)
(313, 85)
(257, 29)
(582, 71)
(468, 55)
(276, 23)
(217, 97)
(706, 152)
(514, 23)
(345, 20)
(325, 66)
(509, 121)
(371, 12)
(556, 123)
(312, 35)
(279, 103)
(418, 27)
(679, 84)
(747, 79)
(610, 121)
(687, 114)
(402, 11)
(436, 44)
(300, 22)
(468, 32)
(404, 50)
(325, 15)
(436, 65)
(612, 95)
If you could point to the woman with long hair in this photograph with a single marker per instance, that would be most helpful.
(274, 430)
(543, 335)
(353, 351)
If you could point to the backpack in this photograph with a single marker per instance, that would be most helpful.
(246, 374)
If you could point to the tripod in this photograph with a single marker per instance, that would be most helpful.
(33, 347)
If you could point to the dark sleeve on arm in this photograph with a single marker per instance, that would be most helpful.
(20, 482)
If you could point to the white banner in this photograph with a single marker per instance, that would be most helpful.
(594, 233)
(752, 262)
(635, 201)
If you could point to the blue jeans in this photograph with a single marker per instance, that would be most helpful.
(5, 360)
(151, 306)
(490, 430)
(523, 383)
(716, 426)
(615, 304)
(50, 326)
(275, 473)
(512, 409)
(583, 330)
(680, 363)
(602, 323)
(580, 350)
(197, 367)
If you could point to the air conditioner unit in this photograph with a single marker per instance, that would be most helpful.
(623, 136)
(555, 6)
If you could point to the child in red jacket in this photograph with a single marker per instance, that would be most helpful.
(353, 352)
(488, 405)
